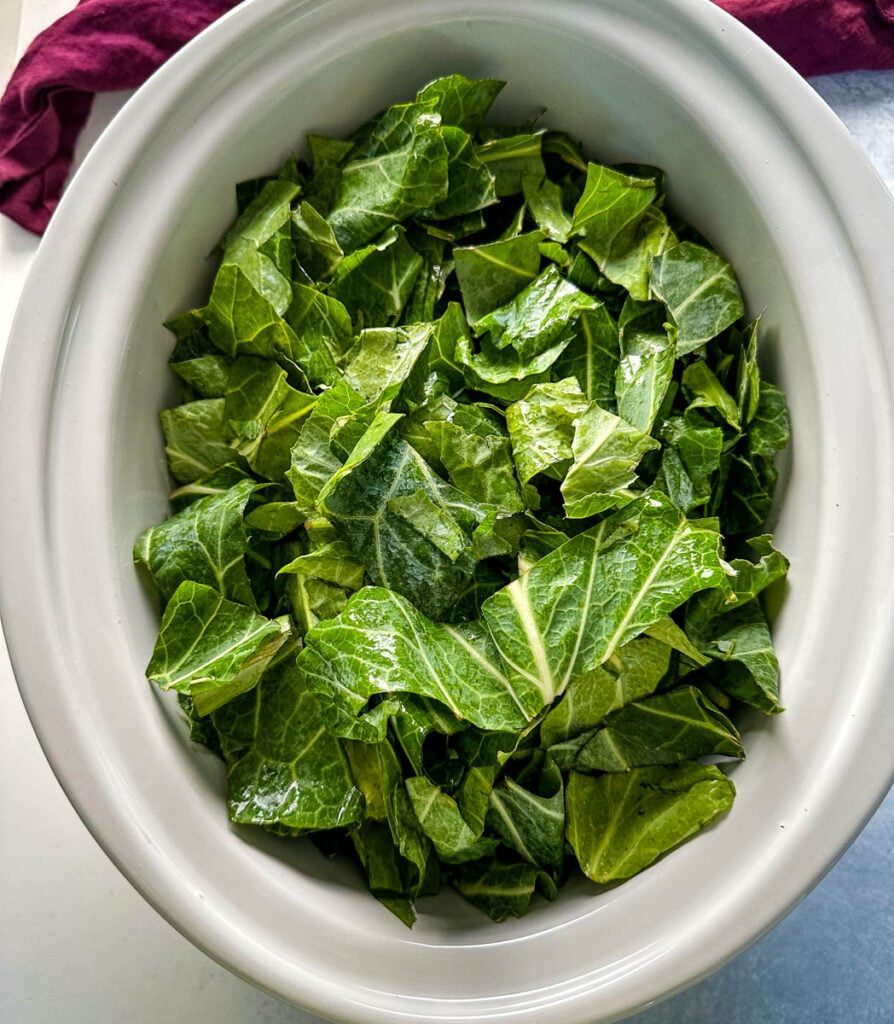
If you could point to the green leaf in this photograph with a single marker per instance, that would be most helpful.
(645, 369)
(544, 314)
(475, 451)
(493, 273)
(700, 291)
(620, 823)
(705, 391)
(629, 265)
(440, 817)
(732, 629)
(609, 212)
(501, 889)
(541, 427)
(322, 332)
(578, 605)
(290, 771)
(504, 373)
(436, 371)
(211, 648)
(382, 358)
(679, 725)
(593, 356)
(264, 414)
(461, 101)
(398, 169)
(316, 247)
(531, 822)
(380, 644)
(607, 451)
(313, 460)
(470, 184)
(631, 673)
(398, 553)
(545, 201)
(691, 458)
(242, 318)
(510, 158)
(374, 283)
(205, 543)
(769, 429)
(197, 440)
(334, 563)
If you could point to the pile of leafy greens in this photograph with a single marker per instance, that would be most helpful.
(474, 463)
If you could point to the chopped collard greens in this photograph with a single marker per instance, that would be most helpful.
(463, 577)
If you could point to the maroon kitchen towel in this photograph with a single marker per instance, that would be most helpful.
(100, 46)
(106, 45)
(821, 37)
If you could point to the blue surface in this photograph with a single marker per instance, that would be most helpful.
(831, 961)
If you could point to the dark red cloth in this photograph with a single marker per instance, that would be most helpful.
(107, 45)
(100, 46)
(821, 37)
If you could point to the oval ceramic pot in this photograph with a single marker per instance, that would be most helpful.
(759, 165)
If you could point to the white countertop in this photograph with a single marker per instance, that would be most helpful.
(79, 946)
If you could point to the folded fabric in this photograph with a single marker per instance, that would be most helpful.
(100, 46)
(107, 45)
(821, 37)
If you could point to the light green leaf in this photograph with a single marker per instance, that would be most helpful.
(593, 356)
(578, 605)
(470, 184)
(541, 316)
(322, 331)
(334, 563)
(197, 439)
(631, 673)
(383, 358)
(312, 457)
(545, 201)
(700, 291)
(620, 823)
(397, 553)
(374, 283)
(541, 427)
(205, 543)
(607, 451)
(706, 392)
(461, 101)
(609, 211)
(510, 157)
(629, 265)
(211, 648)
(440, 817)
(316, 248)
(646, 366)
(531, 821)
(502, 889)
(289, 771)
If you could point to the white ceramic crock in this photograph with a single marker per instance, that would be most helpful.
(756, 162)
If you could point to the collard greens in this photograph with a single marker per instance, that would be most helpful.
(467, 553)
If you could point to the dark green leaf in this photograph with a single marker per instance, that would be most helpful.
(493, 273)
(398, 169)
(679, 725)
(380, 644)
